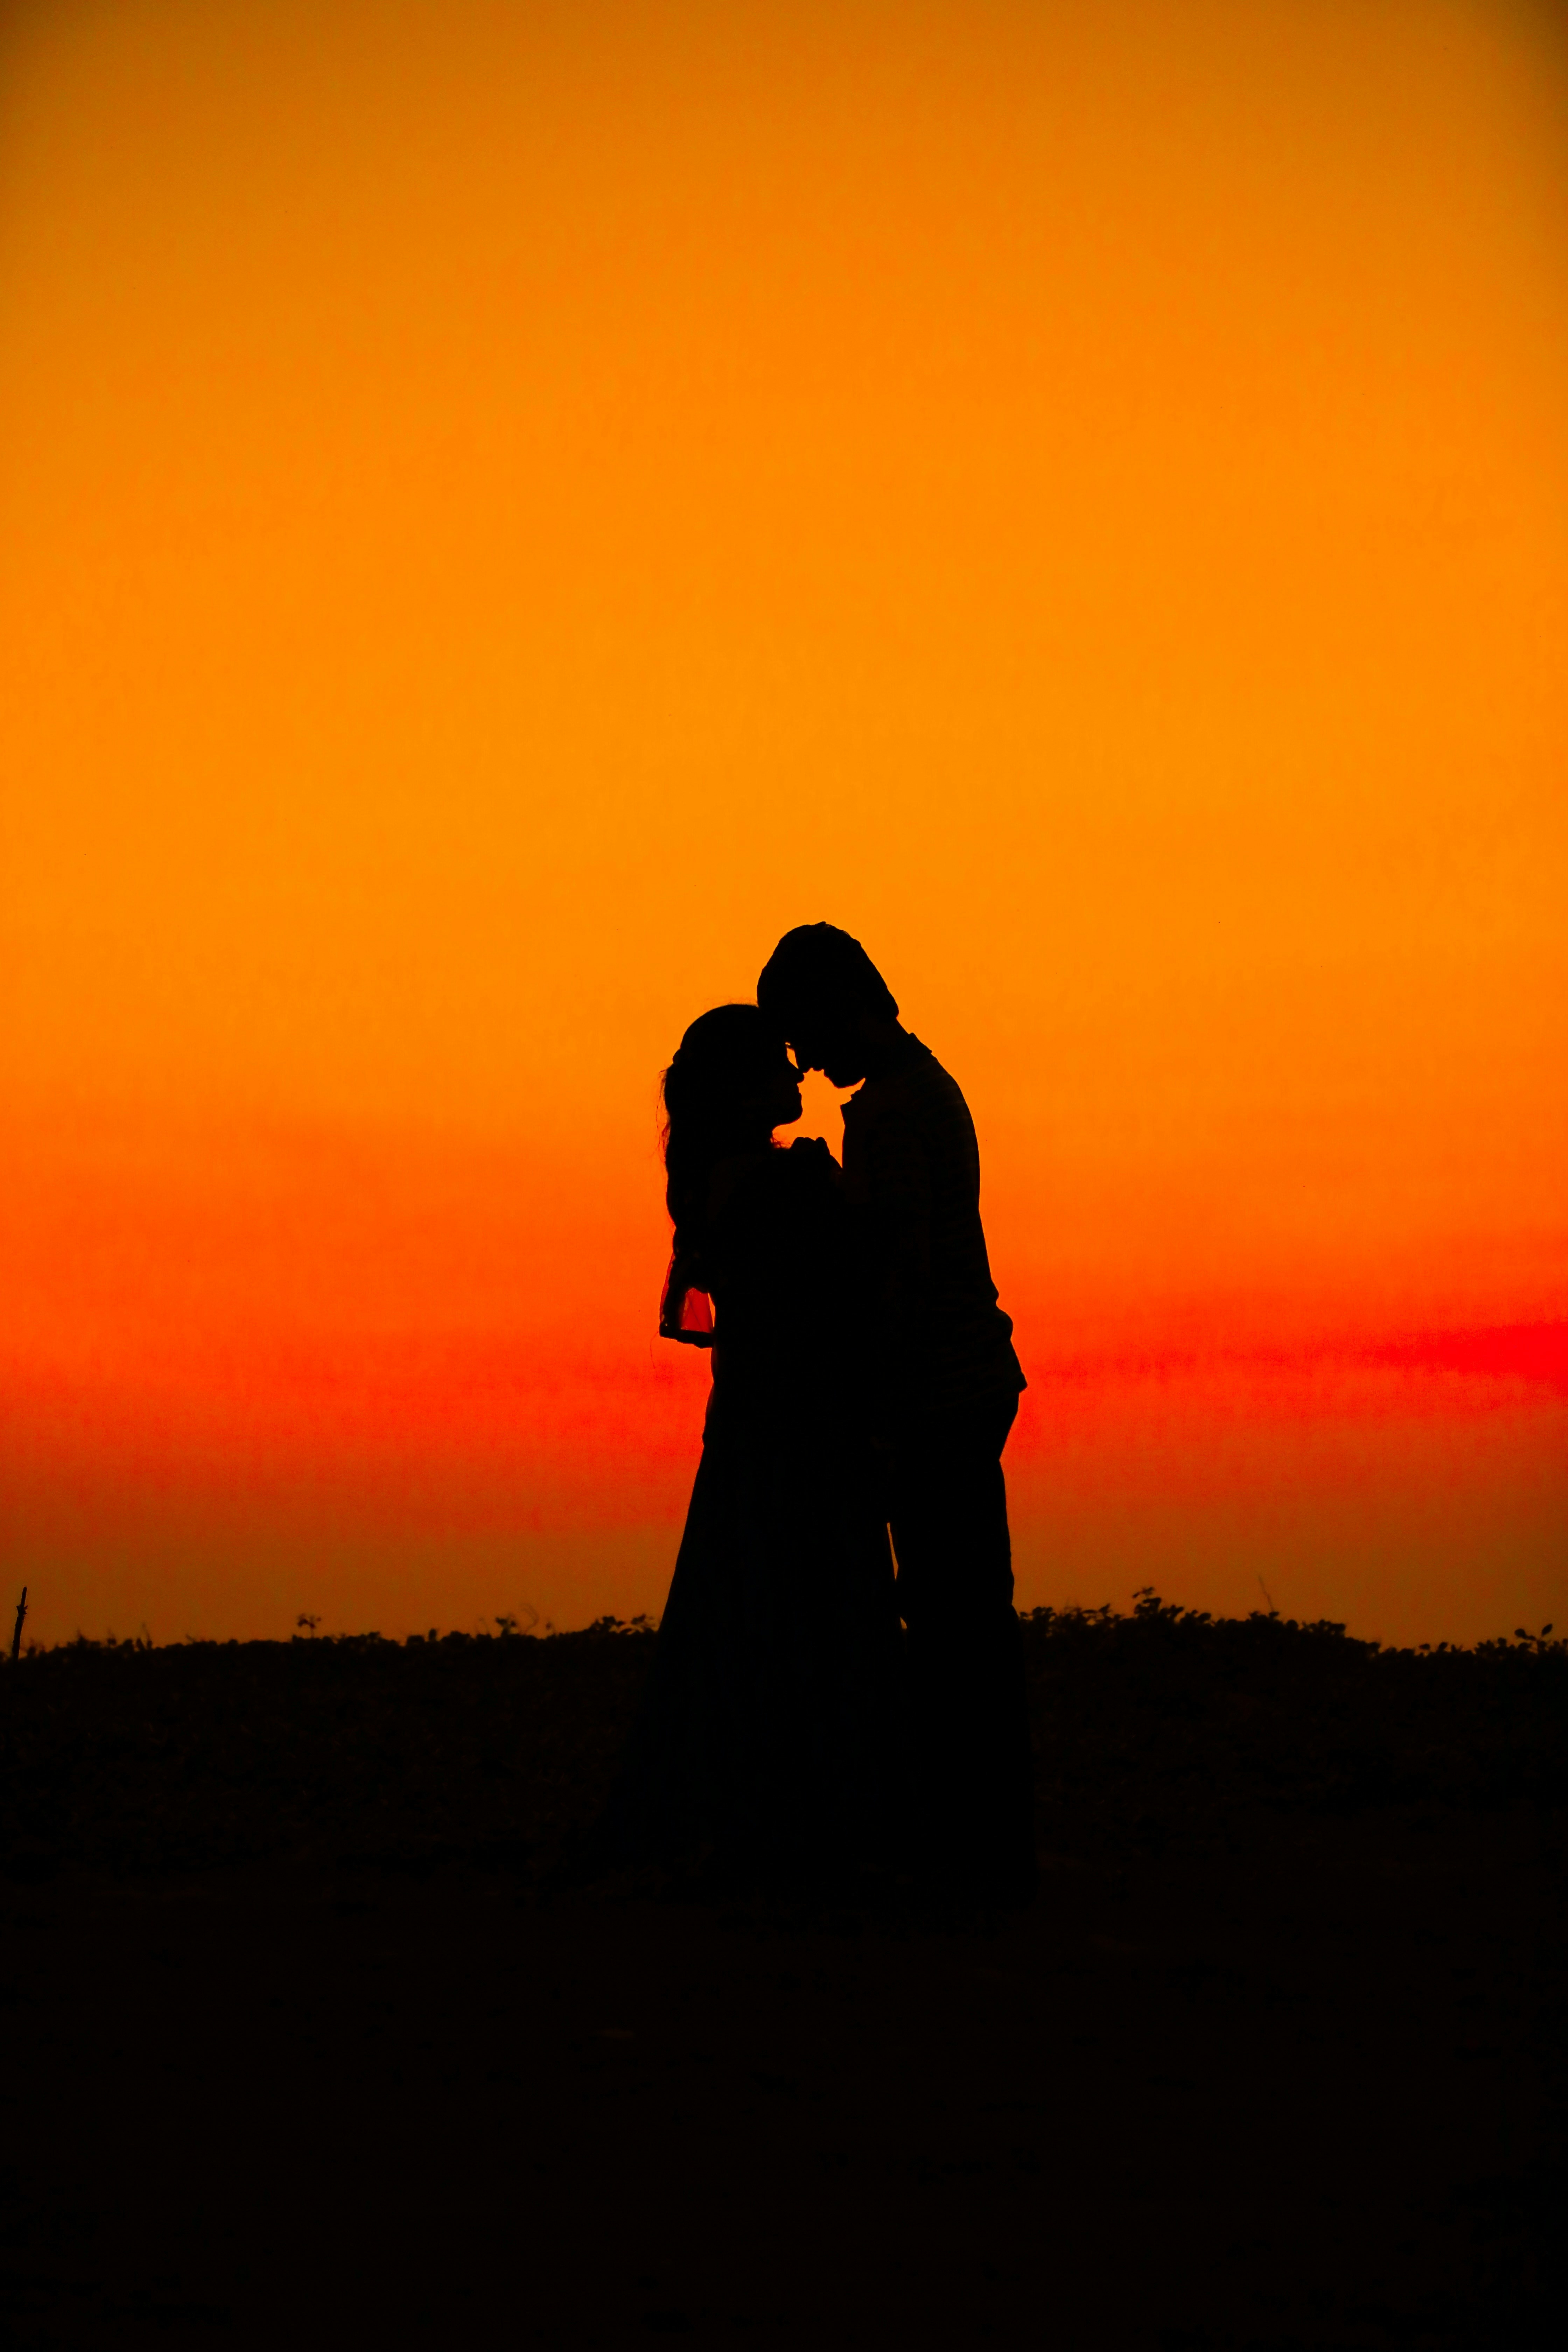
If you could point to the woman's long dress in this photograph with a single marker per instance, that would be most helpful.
(766, 1731)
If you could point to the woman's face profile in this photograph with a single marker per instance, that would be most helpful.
(779, 1098)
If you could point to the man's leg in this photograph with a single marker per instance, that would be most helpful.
(968, 1703)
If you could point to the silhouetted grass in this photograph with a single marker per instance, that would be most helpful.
(1170, 1724)
(1162, 1727)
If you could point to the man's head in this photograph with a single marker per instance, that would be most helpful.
(822, 988)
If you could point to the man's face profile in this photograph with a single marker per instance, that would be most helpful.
(827, 1038)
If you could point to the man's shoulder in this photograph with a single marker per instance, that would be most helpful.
(916, 1106)
(931, 1093)
(923, 1069)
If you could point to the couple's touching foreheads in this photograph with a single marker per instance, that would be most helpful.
(823, 1700)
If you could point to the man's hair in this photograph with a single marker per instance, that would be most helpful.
(813, 969)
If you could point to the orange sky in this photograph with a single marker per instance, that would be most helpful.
(505, 509)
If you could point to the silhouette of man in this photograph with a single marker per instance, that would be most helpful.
(947, 1382)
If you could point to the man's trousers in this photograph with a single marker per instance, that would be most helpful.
(968, 1706)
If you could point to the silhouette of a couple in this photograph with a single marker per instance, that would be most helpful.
(811, 1707)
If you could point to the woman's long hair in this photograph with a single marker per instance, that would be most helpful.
(723, 1056)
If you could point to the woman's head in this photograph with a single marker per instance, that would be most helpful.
(732, 1082)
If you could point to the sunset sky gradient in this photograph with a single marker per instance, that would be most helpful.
(506, 508)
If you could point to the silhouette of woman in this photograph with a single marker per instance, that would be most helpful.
(764, 1732)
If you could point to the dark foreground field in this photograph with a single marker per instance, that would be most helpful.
(305, 2044)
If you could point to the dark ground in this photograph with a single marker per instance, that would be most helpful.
(302, 2043)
